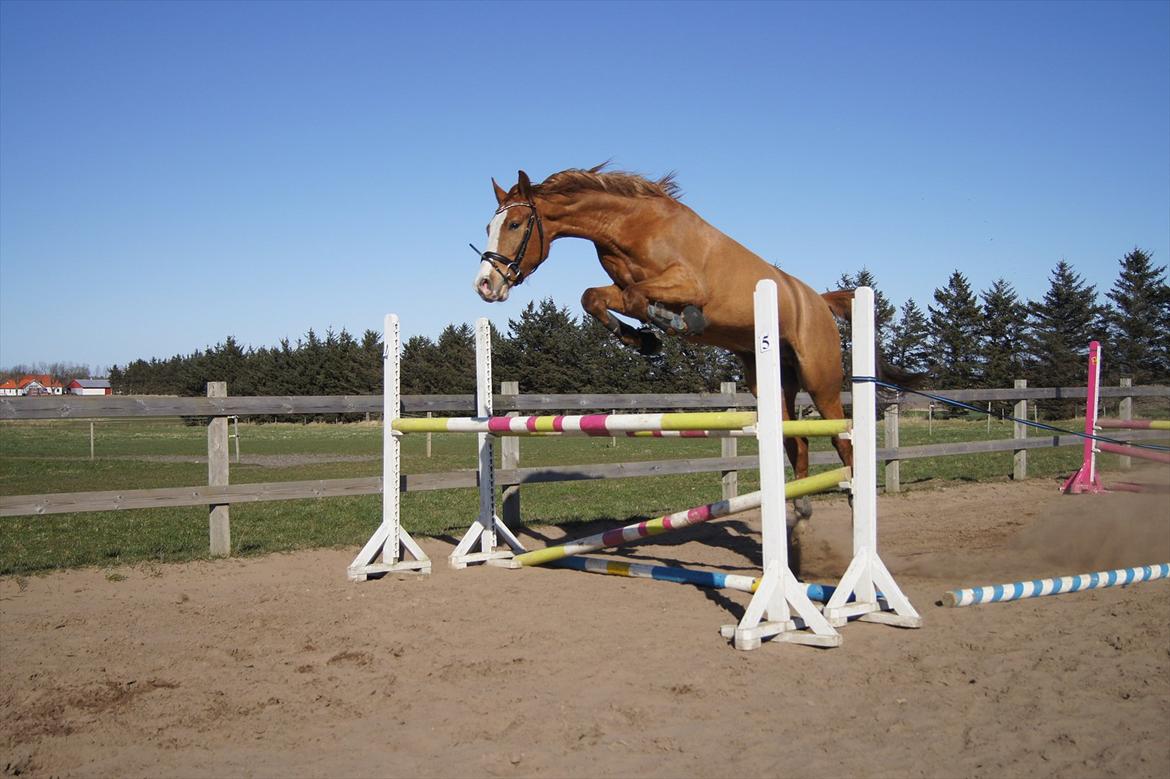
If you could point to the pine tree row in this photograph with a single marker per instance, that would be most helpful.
(962, 340)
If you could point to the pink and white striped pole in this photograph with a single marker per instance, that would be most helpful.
(1085, 479)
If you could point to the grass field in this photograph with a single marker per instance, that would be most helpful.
(46, 457)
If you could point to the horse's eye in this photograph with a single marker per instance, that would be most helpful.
(514, 226)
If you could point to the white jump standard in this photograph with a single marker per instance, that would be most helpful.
(867, 574)
(390, 540)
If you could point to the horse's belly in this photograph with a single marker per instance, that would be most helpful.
(735, 339)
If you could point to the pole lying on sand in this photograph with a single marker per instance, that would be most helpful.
(678, 520)
(1038, 588)
(669, 573)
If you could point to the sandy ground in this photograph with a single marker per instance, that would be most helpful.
(277, 666)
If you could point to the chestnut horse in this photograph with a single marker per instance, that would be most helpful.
(672, 270)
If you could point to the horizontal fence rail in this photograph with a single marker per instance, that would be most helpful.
(114, 406)
(216, 409)
(66, 502)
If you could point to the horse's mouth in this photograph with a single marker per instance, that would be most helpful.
(483, 286)
(489, 291)
(486, 292)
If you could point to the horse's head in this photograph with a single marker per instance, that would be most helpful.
(511, 253)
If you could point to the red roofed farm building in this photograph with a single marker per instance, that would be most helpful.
(90, 387)
(40, 385)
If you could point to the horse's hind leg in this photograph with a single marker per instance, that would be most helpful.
(828, 402)
(795, 448)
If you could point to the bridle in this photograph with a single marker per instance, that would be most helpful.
(499, 262)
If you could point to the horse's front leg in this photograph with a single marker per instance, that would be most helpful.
(673, 300)
(601, 301)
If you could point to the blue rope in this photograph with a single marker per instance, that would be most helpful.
(1029, 423)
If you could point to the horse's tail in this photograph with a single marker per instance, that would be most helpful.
(840, 302)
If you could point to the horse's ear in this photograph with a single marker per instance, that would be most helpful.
(501, 193)
(525, 185)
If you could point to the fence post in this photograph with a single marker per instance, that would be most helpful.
(219, 520)
(1020, 430)
(1125, 411)
(893, 467)
(91, 440)
(729, 448)
(510, 458)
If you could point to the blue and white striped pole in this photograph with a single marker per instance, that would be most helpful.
(1038, 588)
(667, 573)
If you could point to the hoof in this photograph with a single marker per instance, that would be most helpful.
(650, 342)
(694, 320)
(802, 506)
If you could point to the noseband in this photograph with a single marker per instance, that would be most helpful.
(509, 269)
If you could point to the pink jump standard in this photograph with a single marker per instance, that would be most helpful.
(1085, 479)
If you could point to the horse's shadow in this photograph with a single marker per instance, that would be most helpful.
(733, 535)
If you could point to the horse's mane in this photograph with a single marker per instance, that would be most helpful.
(615, 182)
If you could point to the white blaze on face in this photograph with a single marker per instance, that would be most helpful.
(484, 279)
(494, 228)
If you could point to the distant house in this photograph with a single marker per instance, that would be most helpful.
(90, 387)
(40, 385)
(9, 387)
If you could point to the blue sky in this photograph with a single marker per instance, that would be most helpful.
(174, 173)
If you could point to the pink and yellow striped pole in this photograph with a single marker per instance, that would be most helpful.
(1134, 424)
(679, 520)
(610, 424)
(1134, 451)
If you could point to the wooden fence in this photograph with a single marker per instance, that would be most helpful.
(218, 494)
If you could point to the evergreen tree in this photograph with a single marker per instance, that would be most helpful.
(117, 380)
(883, 313)
(609, 365)
(686, 367)
(454, 371)
(227, 362)
(954, 335)
(1062, 324)
(283, 377)
(370, 365)
(1003, 336)
(543, 351)
(908, 346)
(310, 359)
(883, 309)
(1139, 321)
(343, 364)
(419, 361)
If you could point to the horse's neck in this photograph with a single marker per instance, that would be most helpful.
(616, 225)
